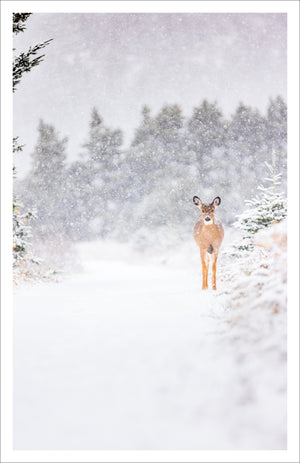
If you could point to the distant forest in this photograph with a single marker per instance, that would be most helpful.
(146, 188)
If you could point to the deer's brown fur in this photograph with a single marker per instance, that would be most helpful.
(208, 234)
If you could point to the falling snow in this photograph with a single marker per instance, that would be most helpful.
(115, 344)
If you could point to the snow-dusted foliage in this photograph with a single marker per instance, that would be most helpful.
(21, 231)
(26, 266)
(254, 267)
(257, 278)
(24, 263)
(253, 291)
(263, 210)
(24, 62)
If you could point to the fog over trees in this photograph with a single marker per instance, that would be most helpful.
(123, 193)
(103, 184)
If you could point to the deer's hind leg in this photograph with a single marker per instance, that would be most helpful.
(205, 263)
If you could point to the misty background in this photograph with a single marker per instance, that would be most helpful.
(130, 115)
(119, 62)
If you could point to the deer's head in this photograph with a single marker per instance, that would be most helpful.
(207, 210)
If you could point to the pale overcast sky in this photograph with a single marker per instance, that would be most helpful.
(119, 62)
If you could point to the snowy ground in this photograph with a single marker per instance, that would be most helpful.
(129, 353)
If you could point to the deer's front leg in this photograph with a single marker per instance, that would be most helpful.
(214, 270)
(204, 262)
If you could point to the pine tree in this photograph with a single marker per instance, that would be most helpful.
(81, 201)
(104, 144)
(267, 208)
(162, 174)
(48, 157)
(22, 217)
(145, 130)
(277, 136)
(102, 155)
(45, 187)
(24, 62)
(246, 146)
(22, 232)
(204, 141)
(169, 123)
(206, 128)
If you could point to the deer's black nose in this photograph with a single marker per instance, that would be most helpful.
(207, 219)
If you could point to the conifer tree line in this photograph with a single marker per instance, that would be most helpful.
(122, 193)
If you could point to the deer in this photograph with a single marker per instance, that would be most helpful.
(208, 234)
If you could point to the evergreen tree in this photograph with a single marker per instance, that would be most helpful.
(206, 129)
(49, 154)
(103, 146)
(146, 128)
(138, 165)
(277, 136)
(246, 147)
(267, 208)
(45, 187)
(79, 205)
(169, 123)
(162, 174)
(21, 224)
(24, 62)
(101, 156)
(21, 218)
(22, 233)
(205, 132)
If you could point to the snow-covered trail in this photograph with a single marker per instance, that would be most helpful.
(132, 356)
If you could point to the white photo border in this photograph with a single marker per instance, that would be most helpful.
(292, 10)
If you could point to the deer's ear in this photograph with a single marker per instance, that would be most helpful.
(196, 200)
(217, 201)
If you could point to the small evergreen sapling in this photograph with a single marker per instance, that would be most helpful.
(21, 233)
(268, 208)
(21, 222)
(21, 225)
